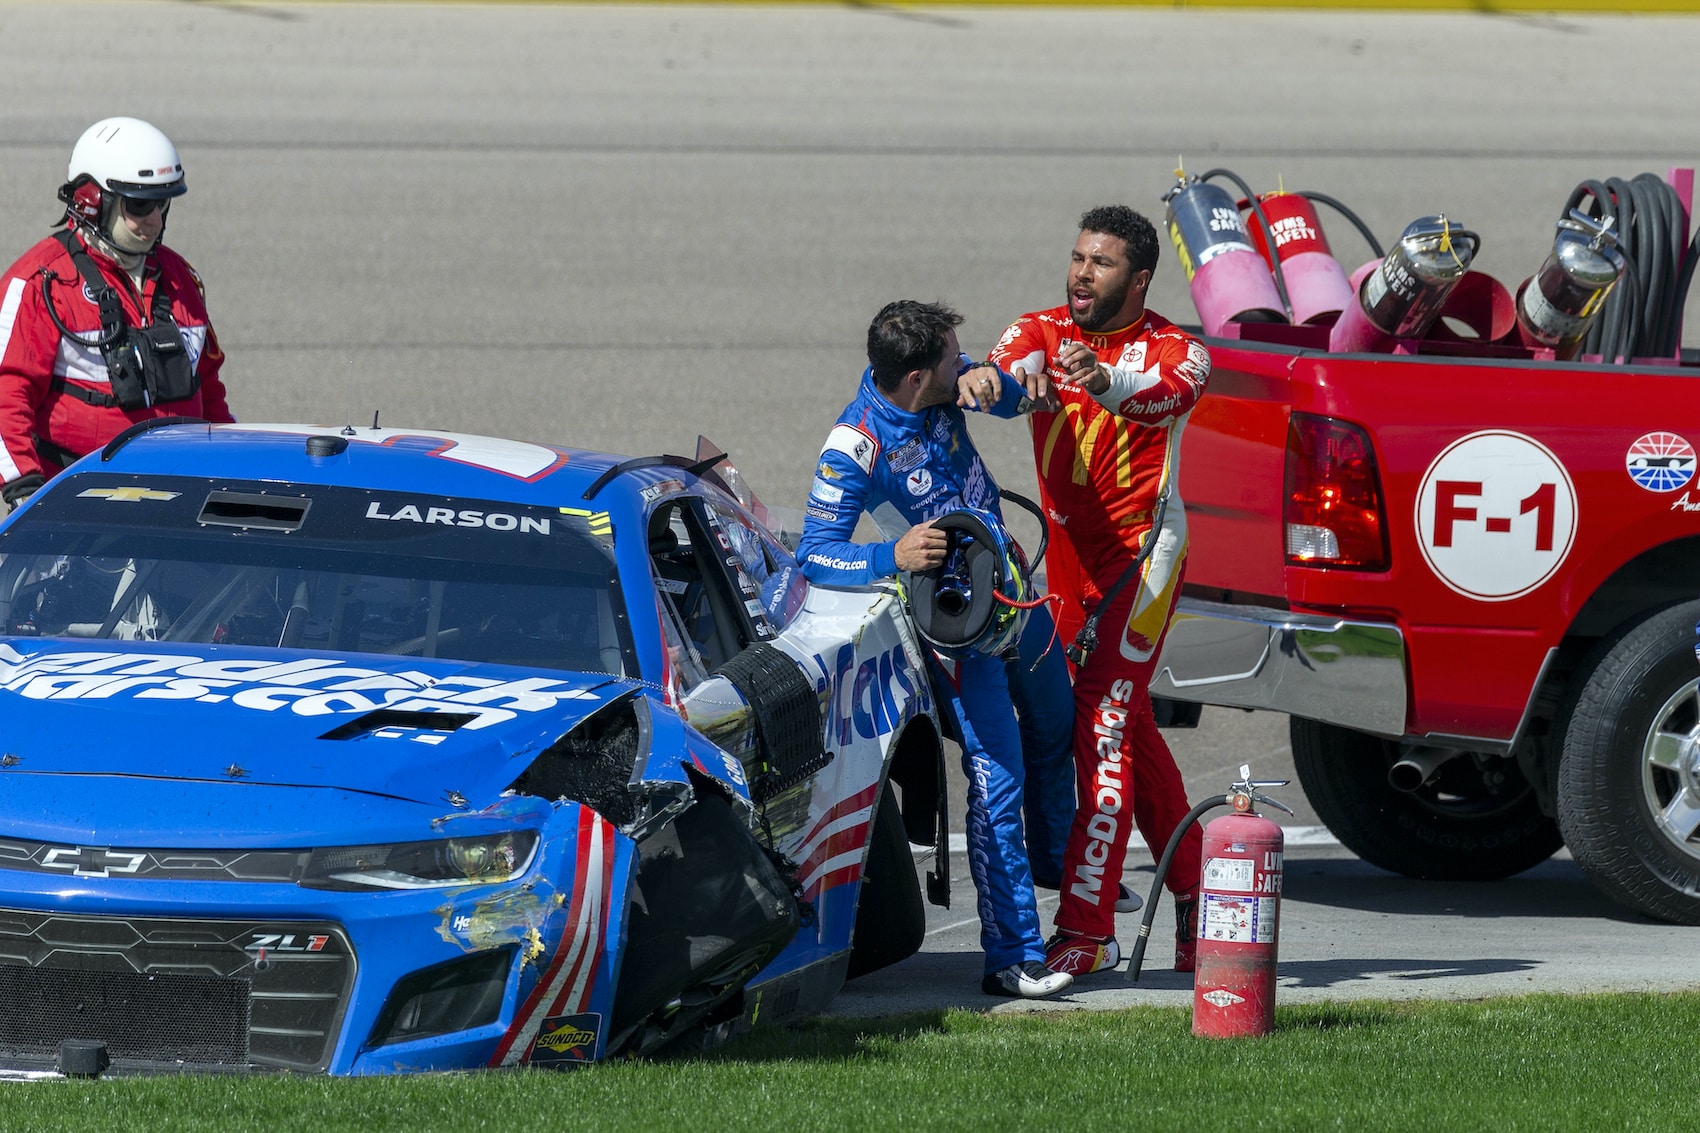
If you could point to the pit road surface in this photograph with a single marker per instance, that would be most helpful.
(619, 227)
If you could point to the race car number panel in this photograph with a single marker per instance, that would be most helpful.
(1496, 515)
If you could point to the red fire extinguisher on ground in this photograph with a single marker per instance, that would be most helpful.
(1239, 917)
(1239, 912)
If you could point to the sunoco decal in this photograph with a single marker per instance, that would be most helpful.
(1496, 515)
(308, 687)
(1660, 462)
(569, 1038)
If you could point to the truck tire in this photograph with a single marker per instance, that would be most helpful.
(1477, 820)
(891, 922)
(1629, 777)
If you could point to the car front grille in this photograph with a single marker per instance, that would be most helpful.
(165, 992)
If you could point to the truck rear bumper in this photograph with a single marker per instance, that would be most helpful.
(1334, 670)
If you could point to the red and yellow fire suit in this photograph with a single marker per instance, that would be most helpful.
(1102, 463)
(35, 358)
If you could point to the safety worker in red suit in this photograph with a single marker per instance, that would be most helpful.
(101, 325)
(1126, 379)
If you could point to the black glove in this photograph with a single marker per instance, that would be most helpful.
(15, 492)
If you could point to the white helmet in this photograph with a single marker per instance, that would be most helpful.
(120, 157)
(129, 157)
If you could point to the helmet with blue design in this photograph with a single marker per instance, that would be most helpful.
(977, 601)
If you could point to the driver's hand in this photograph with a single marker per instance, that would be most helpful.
(922, 547)
(1038, 388)
(979, 388)
(1081, 368)
(13, 493)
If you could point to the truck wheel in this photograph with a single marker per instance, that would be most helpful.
(1629, 778)
(891, 922)
(1476, 820)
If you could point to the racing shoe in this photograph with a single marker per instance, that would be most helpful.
(1081, 955)
(1186, 934)
(1127, 901)
(1029, 979)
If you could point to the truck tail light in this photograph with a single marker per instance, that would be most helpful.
(1334, 512)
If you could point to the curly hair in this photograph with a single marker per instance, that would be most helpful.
(1131, 227)
(907, 335)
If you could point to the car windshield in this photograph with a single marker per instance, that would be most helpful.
(312, 567)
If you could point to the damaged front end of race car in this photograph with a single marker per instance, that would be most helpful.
(371, 757)
(705, 905)
(611, 897)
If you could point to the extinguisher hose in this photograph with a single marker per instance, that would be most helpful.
(1137, 959)
(1689, 259)
(1363, 229)
(1643, 318)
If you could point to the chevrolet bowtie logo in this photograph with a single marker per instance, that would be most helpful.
(126, 495)
(89, 861)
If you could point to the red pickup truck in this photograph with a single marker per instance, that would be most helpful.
(1470, 573)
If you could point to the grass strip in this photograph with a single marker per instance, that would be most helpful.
(1620, 1062)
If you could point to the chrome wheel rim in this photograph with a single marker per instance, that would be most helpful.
(1670, 770)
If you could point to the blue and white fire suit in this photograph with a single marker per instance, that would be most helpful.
(905, 468)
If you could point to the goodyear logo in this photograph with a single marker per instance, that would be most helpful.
(601, 526)
(126, 495)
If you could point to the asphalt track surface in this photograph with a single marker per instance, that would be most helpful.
(618, 228)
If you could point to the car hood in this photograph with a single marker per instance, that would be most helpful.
(224, 734)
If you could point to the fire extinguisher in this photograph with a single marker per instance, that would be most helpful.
(1239, 916)
(1239, 912)
(1404, 293)
(1229, 281)
(1317, 286)
(1557, 305)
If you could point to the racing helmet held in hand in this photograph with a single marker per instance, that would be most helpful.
(119, 157)
(969, 603)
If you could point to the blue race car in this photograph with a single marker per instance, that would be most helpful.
(364, 751)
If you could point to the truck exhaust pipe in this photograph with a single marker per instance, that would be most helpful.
(1417, 766)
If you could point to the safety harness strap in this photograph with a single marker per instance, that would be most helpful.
(59, 454)
(98, 398)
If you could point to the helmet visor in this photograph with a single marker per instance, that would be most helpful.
(148, 192)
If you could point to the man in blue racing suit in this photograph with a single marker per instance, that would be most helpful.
(901, 452)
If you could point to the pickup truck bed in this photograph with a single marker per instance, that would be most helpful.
(1469, 574)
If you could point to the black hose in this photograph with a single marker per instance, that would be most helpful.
(1044, 525)
(1642, 319)
(1137, 960)
(1363, 229)
(1087, 639)
(1681, 301)
(1268, 233)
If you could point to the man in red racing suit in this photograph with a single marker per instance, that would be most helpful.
(56, 396)
(1126, 379)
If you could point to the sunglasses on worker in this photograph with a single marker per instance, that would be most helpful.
(140, 206)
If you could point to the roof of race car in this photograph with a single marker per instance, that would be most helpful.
(387, 458)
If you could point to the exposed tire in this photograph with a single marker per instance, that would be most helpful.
(890, 919)
(1629, 777)
(1477, 819)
